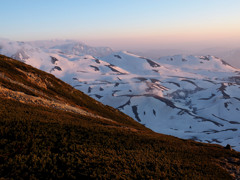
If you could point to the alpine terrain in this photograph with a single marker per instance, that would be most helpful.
(49, 130)
(191, 97)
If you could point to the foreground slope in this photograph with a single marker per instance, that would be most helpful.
(50, 130)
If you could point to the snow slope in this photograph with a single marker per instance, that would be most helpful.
(191, 97)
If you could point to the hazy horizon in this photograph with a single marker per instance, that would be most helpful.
(135, 25)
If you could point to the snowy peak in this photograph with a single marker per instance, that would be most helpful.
(21, 55)
(131, 62)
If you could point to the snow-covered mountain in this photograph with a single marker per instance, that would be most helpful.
(191, 97)
(231, 55)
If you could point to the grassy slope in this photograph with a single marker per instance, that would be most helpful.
(39, 142)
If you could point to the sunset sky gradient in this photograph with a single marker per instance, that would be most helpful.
(124, 23)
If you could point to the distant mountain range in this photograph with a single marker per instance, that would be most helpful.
(230, 55)
(191, 97)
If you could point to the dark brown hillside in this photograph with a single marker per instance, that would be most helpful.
(49, 130)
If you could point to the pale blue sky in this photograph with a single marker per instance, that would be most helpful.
(120, 23)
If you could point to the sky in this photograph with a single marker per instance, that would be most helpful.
(124, 24)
